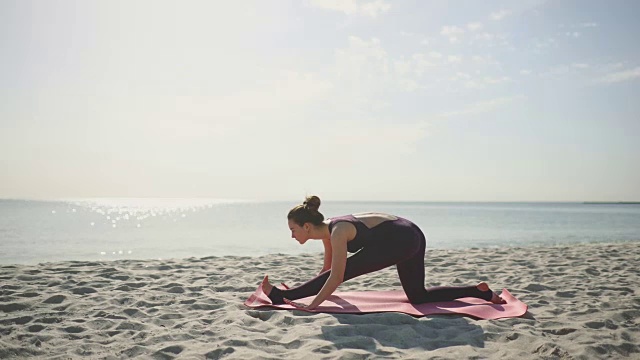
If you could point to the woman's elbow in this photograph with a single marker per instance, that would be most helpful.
(337, 279)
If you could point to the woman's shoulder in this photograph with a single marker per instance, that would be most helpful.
(343, 227)
(341, 218)
(332, 221)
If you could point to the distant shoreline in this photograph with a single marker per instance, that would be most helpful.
(611, 203)
(240, 201)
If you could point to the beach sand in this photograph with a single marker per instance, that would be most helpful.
(583, 304)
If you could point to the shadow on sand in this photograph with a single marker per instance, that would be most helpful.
(371, 331)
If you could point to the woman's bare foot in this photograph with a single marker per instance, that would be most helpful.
(495, 298)
(273, 293)
(266, 286)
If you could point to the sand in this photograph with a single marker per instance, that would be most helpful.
(582, 299)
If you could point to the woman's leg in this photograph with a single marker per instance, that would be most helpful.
(368, 259)
(411, 273)
(448, 293)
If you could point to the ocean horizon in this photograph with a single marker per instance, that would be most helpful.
(91, 229)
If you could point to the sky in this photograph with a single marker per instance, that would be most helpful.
(525, 100)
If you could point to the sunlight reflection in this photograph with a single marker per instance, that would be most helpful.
(117, 210)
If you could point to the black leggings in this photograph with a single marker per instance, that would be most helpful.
(405, 250)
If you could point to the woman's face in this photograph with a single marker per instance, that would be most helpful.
(298, 232)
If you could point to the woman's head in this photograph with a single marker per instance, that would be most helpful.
(303, 217)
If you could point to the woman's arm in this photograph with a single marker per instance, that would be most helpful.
(338, 244)
(328, 250)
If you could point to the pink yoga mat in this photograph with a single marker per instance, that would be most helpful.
(360, 302)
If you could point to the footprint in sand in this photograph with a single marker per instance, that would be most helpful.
(600, 324)
(127, 325)
(566, 294)
(135, 313)
(35, 328)
(175, 349)
(114, 333)
(136, 285)
(74, 329)
(206, 307)
(11, 307)
(28, 294)
(18, 321)
(56, 299)
(536, 287)
(176, 290)
(119, 277)
(100, 324)
(562, 331)
(83, 290)
(171, 316)
(219, 353)
(50, 320)
(592, 272)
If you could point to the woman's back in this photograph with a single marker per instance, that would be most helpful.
(373, 219)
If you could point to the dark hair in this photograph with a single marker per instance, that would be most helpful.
(307, 212)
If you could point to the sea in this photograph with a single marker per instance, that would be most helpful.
(106, 229)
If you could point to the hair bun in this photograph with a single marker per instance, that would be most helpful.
(312, 203)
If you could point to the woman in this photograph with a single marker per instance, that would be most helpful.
(380, 240)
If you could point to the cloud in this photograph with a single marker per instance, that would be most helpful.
(453, 59)
(574, 34)
(560, 71)
(525, 72)
(466, 80)
(540, 46)
(421, 64)
(462, 80)
(415, 66)
(362, 59)
(579, 26)
(475, 26)
(499, 15)
(482, 106)
(484, 60)
(352, 7)
(375, 8)
(346, 6)
(612, 67)
(620, 76)
(490, 40)
(496, 80)
(452, 32)
(402, 67)
(365, 74)
(485, 36)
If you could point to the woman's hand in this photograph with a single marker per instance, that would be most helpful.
(300, 306)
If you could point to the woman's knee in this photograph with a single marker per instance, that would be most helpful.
(417, 297)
